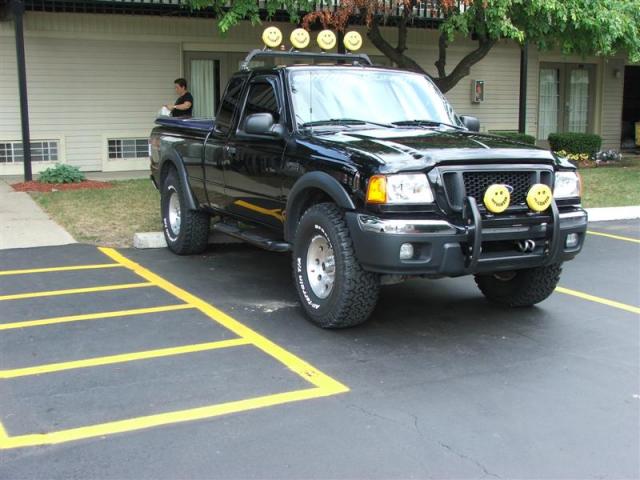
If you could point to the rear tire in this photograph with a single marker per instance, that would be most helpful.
(186, 231)
(520, 288)
(334, 290)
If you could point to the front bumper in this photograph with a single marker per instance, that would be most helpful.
(475, 245)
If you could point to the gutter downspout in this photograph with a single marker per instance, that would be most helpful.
(522, 110)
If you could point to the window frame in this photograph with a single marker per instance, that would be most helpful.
(270, 80)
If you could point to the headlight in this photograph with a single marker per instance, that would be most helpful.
(399, 189)
(567, 185)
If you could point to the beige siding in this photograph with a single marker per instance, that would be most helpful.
(611, 111)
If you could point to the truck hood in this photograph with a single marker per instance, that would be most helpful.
(403, 149)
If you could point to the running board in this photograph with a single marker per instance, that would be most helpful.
(252, 237)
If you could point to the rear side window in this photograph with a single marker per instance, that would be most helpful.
(230, 102)
(262, 99)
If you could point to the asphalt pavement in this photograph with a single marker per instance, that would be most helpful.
(143, 364)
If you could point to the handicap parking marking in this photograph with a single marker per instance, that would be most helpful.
(601, 300)
(615, 237)
(323, 385)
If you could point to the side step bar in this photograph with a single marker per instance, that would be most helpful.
(253, 237)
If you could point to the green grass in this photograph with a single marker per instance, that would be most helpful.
(617, 186)
(106, 217)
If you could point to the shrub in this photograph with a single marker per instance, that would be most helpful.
(61, 173)
(575, 142)
(518, 137)
(608, 156)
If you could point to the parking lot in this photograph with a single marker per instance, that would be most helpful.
(143, 364)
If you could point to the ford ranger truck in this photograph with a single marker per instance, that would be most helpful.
(366, 177)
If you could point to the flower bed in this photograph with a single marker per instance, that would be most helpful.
(34, 186)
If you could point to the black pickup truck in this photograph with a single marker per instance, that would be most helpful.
(368, 177)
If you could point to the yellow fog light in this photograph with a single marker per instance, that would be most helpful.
(299, 38)
(539, 197)
(272, 37)
(326, 39)
(497, 198)
(377, 190)
(352, 41)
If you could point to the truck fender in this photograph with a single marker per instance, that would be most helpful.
(172, 159)
(317, 181)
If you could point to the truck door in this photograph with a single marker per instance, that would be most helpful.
(253, 165)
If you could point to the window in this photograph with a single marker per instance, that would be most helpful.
(262, 99)
(229, 102)
(123, 148)
(41, 151)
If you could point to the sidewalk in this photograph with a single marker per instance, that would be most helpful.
(23, 224)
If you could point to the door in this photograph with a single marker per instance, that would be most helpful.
(566, 98)
(202, 71)
(253, 165)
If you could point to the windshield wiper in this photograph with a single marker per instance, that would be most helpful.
(424, 123)
(344, 121)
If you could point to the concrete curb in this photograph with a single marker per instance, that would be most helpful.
(156, 240)
(613, 213)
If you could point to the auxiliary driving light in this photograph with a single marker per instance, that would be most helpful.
(326, 39)
(352, 41)
(572, 240)
(299, 38)
(272, 37)
(406, 251)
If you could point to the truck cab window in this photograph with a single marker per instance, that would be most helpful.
(262, 99)
(230, 101)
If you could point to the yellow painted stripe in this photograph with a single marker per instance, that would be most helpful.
(275, 213)
(121, 358)
(603, 301)
(617, 237)
(293, 362)
(139, 423)
(92, 316)
(60, 269)
(53, 293)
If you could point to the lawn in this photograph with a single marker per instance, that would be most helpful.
(612, 186)
(106, 217)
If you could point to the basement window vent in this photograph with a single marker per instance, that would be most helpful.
(41, 151)
(128, 148)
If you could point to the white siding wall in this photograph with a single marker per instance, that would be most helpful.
(612, 94)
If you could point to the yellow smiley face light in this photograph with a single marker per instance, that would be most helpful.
(352, 41)
(300, 38)
(326, 39)
(539, 197)
(272, 37)
(497, 198)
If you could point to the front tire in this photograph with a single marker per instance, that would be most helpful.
(520, 288)
(186, 231)
(334, 290)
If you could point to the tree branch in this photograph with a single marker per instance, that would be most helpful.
(464, 66)
(375, 36)
(442, 55)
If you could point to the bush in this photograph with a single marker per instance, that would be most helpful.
(575, 142)
(61, 174)
(518, 137)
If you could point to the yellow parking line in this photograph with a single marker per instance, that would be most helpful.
(132, 424)
(294, 363)
(603, 301)
(60, 269)
(617, 237)
(52, 293)
(121, 358)
(93, 316)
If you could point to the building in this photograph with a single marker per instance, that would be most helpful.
(99, 71)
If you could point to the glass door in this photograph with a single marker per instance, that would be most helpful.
(202, 71)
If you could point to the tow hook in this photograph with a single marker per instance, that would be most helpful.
(526, 246)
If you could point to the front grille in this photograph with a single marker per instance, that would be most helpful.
(476, 183)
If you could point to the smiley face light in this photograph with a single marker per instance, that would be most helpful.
(326, 39)
(539, 197)
(352, 41)
(272, 37)
(300, 38)
(497, 198)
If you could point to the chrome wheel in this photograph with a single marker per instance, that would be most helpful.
(174, 213)
(321, 266)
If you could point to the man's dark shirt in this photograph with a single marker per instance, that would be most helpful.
(187, 97)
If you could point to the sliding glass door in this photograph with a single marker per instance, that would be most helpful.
(202, 71)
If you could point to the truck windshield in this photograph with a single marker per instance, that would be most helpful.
(333, 95)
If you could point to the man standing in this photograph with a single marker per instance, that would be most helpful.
(184, 104)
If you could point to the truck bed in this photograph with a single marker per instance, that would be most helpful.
(201, 124)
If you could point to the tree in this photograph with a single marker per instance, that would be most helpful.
(582, 27)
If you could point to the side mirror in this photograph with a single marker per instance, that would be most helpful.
(262, 124)
(472, 123)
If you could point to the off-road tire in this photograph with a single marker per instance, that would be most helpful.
(193, 234)
(527, 287)
(355, 292)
